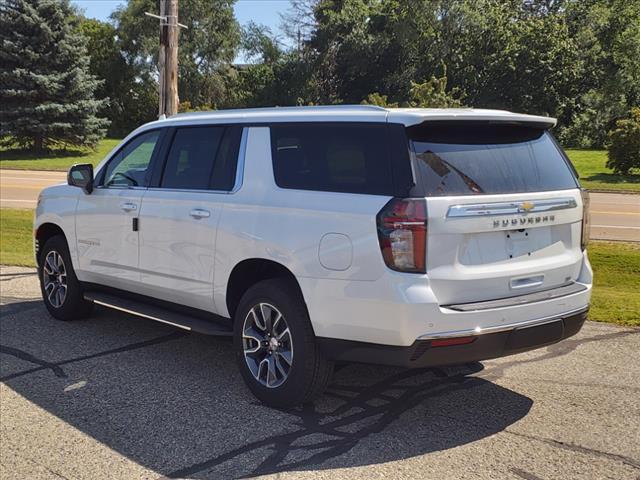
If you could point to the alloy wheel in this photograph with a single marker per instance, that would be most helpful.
(267, 345)
(54, 278)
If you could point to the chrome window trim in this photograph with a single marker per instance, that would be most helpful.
(510, 208)
(119, 187)
(239, 174)
(241, 159)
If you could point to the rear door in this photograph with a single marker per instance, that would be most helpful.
(180, 214)
(504, 210)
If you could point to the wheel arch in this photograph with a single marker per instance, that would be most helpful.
(44, 232)
(251, 271)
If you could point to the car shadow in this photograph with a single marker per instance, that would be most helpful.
(175, 402)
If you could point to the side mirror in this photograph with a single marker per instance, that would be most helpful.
(81, 175)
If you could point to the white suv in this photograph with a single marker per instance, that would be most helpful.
(315, 235)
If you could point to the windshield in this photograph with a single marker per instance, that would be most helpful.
(475, 159)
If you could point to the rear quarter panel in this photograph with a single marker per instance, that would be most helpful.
(286, 226)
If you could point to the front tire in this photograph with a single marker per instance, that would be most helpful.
(275, 346)
(61, 290)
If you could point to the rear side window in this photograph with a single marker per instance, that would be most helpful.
(471, 159)
(202, 158)
(351, 158)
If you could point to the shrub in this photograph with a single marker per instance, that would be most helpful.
(624, 144)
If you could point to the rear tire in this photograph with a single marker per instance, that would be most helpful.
(275, 346)
(61, 291)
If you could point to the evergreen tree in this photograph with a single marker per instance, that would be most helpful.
(46, 90)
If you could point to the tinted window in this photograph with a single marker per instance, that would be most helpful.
(202, 158)
(468, 159)
(191, 157)
(224, 170)
(130, 166)
(335, 158)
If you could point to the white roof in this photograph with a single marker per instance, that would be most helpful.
(349, 113)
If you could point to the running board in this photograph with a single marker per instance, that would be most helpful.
(159, 314)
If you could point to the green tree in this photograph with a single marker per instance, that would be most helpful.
(206, 47)
(131, 101)
(624, 144)
(607, 37)
(275, 76)
(433, 94)
(46, 90)
(378, 100)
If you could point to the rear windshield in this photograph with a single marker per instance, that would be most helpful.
(474, 159)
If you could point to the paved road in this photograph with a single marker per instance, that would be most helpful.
(613, 216)
(119, 397)
(20, 188)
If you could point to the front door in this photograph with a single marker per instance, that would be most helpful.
(179, 217)
(106, 231)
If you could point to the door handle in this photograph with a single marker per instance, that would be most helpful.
(527, 282)
(128, 207)
(200, 213)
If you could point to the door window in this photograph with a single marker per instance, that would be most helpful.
(332, 158)
(202, 158)
(130, 166)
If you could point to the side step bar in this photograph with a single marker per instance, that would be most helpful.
(160, 314)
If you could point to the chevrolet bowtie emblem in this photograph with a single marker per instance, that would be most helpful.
(526, 207)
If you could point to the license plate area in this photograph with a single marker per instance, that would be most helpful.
(538, 336)
(517, 243)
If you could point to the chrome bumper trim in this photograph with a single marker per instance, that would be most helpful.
(501, 328)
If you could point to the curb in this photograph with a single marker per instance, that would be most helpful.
(603, 190)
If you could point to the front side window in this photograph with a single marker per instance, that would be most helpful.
(202, 158)
(130, 166)
(351, 158)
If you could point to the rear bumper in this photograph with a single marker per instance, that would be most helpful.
(398, 309)
(485, 344)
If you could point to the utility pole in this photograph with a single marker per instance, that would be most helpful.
(171, 60)
(168, 57)
(161, 59)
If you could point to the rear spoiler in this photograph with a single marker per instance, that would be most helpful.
(410, 117)
(545, 124)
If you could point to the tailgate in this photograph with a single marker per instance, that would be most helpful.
(495, 246)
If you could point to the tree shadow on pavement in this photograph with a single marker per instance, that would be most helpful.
(175, 402)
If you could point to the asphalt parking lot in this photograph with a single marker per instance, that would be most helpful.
(121, 397)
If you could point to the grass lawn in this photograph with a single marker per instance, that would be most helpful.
(57, 159)
(16, 240)
(616, 295)
(595, 175)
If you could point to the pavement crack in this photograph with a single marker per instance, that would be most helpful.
(27, 357)
(56, 366)
(524, 474)
(580, 449)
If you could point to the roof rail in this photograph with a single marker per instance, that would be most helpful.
(279, 109)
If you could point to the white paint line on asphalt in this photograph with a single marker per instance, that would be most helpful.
(614, 226)
(615, 213)
(29, 179)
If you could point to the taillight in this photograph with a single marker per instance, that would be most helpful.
(586, 221)
(402, 232)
